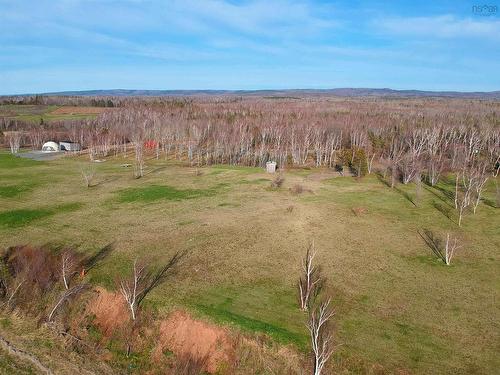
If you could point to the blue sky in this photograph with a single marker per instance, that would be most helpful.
(51, 45)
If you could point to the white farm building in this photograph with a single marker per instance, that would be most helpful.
(50, 147)
(69, 146)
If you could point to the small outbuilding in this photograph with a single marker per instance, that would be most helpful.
(271, 166)
(50, 147)
(69, 146)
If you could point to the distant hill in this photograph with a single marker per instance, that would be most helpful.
(342, 92)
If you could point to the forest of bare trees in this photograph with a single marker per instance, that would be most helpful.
(406, 140)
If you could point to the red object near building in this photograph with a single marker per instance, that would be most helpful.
(150, 145)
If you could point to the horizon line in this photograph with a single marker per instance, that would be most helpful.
(75, 92)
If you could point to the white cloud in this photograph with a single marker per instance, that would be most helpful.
(444, 26)
(278, 19)
(158, 28)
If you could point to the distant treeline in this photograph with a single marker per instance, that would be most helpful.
(92, 101)
(409, 138)
(61, 100)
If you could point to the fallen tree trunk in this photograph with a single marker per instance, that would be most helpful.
(24, 356)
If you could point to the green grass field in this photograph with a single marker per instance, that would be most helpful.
(37, 113)
(397, 306)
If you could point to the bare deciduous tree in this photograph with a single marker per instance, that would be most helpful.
(14, 138)
(463, 193)
(36, 135)
(143, 281)
(481, 176)
(311, 280)
(445, 251)
(410, 163)
(407, 137)
(450, 248)
(132, 288)
(321, 335)
(16, 289)
(88, 175)
(394, 156)
(69, 265)
(65, 296)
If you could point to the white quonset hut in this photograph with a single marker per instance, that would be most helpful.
(50, 147)
(69, 146)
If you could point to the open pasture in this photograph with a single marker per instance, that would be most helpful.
(398, 307)
(47, 113)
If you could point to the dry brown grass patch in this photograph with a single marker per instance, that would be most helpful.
(277, 181)
(359, 211)
(109, 311)
(299, 189)
(257, 357)
(203, 343)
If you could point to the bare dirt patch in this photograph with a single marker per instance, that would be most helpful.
(109, 310)
(201, 341)
(359, 211)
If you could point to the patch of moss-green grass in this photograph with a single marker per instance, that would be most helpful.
(279, 334)
(9, 161)
(21, 217)
(259, 308)
(162, 192)
(14, 191)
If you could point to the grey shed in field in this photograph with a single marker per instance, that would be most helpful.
(271, 166)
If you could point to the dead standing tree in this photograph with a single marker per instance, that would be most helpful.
(36, 135)
(435, 149)
(472, 175)
(410, 163)
(142, 281)
(445, 251)
(311, 281)
(69, 266)
(131, 289)
(138, 142)
(481, 175)
(5, 290)
(65, 296)
(450, 248)
(463, 193)
(14, 138)
(395, 154)
(88, 175)
(321, 335)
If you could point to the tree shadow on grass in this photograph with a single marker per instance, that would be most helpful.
(433, 242)
(490, 202)
(403, 193)
(447, 194)
(442, 198)
(105, 181)
(381, 178)
(94, 260)
(157, 277)
(156, 170)
(445, 209)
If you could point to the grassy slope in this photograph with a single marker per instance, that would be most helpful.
(397, 306)
(47, 347)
